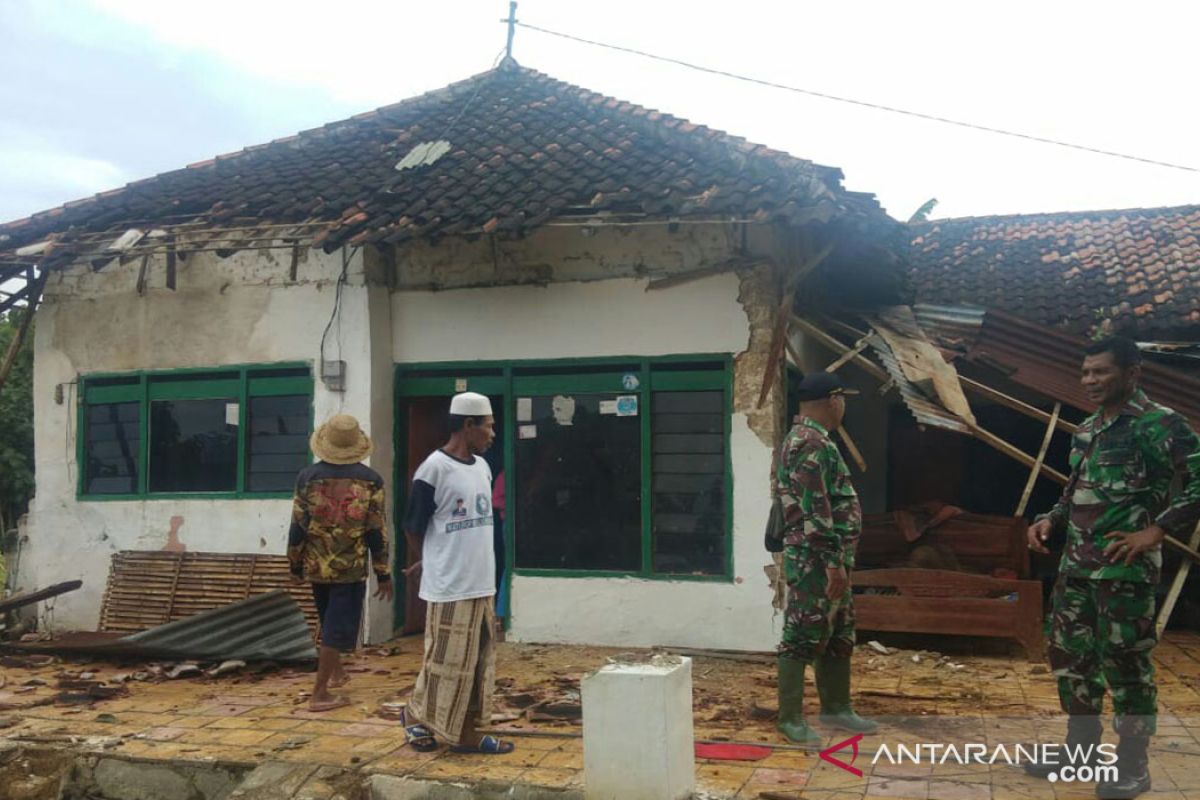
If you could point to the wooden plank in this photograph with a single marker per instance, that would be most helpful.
(921, 362)
(1041, 458)
(942, 601)
(852, 448)
(836, 346)
(678, 279)
(846, 357)
(1000, 398)
(149, 588)
(141, 277)
(171, 263)
(1014, 452)
(1183, 548)
(29, 598)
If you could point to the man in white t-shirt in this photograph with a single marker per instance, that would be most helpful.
(449, 517)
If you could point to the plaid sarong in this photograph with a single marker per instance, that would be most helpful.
(459, 669)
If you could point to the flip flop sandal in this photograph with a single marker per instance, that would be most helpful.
(488, 745)
(417, 736)
(339, 701)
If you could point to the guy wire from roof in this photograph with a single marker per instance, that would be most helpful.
(861, 103)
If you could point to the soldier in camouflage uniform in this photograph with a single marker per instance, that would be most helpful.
(823, 520)
(1115, 512)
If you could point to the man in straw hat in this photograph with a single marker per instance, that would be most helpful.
(449, 517)
(337, 517)
(822, 523)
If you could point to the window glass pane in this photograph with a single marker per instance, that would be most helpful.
(689, 485)
(192, 448)
(578, 485)
(112, 449)
(277, 442)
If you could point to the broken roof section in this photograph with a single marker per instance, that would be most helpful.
(523, 149)
(267, 627)
(1042, 359)
(1133, 270)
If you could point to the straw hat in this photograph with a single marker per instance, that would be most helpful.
(340, 441)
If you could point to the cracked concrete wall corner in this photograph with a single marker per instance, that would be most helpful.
(758, 294)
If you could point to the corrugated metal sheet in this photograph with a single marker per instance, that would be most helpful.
(950, 326)
(927, 412)
(269, 627)
(1048, 361)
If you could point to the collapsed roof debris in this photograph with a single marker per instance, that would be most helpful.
(267, 627)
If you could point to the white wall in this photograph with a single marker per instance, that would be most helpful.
(240, 310)
(244, 309)
(606, 318)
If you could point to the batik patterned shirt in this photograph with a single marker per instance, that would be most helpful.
(823, 518)
(337, 519)
(1122, 471)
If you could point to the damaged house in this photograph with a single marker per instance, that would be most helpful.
(612, 277)
(636, 293)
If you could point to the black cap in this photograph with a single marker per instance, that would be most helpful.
(819, 385)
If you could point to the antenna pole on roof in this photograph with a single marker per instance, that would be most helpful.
(512, 28)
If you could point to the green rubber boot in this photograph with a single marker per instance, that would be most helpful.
(791, 703)
(833, 686)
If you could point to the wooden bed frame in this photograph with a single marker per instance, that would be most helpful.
(943, 601)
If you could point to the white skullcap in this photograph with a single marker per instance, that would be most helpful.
(471, 404)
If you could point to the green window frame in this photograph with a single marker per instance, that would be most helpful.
(130, 399)
(706, 372)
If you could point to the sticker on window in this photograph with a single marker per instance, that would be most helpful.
(608, 407)
(527, 432)
(563, 408)
(627, 405)
(231, 414)
(524, 409)
(630, 382)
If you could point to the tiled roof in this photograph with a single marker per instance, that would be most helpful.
(523, 148)
(1137, 268)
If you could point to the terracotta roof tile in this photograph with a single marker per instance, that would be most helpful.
(1140, 268)
(523, 148)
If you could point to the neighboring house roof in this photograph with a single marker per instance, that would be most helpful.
(1137, 268)
(523, 148)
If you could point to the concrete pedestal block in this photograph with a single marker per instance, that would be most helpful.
(637, 730)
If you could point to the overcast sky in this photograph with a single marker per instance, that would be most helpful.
(96, 93)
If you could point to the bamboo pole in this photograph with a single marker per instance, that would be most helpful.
(1183, 548)
(846, 357)
(1164, 613)
(833, 344)
(996, 396)
(1041, 457)
(852, 448)
(1014, 452)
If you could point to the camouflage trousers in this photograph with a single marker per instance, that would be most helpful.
(812, 623)
(1101, 635)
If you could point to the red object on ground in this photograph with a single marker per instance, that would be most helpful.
(732, 752)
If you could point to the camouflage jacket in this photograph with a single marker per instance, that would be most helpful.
(822, 516)
(337, 517)
(1122, 471)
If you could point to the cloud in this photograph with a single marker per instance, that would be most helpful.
(38, 179)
